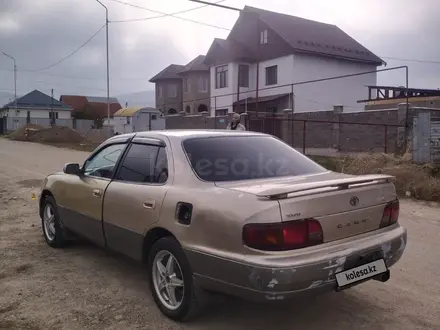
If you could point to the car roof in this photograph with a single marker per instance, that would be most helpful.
(180, 133)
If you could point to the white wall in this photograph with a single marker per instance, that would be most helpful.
(218, 101)
(139, 122)
(298, 68)
(323, 95)
(285, 75)
(120, 125)
(44, 114)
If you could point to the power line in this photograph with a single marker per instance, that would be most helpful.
(71, 77)
(160, 16)
(71, 54)
(216, 5)
(172, 15)
(411, 60)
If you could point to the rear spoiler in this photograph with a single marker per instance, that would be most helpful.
(281, 192)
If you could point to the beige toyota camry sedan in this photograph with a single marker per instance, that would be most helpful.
(238, 213)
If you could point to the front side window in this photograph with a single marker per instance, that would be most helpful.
(144, 164)
(103, 163)
(272, 75)
(221, 76)
(218, 159)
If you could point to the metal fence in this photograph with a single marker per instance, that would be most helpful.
(329, 136)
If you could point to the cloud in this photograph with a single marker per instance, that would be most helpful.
(39, 33)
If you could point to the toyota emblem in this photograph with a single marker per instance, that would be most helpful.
(354, 201)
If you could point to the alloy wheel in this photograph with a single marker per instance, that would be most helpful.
(168, 280)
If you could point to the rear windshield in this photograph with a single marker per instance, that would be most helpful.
(245, 157)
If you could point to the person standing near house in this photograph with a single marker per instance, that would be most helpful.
(235, 124)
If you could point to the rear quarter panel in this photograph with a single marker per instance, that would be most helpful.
(217, 220)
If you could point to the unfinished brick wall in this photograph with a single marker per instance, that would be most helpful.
(203, 121)
(337, 130)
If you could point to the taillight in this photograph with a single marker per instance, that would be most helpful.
(390, 214)
(283, 236)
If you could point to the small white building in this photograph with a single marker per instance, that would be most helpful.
(137, 119)
(34, 108)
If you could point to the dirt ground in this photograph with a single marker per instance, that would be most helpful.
(83, 287)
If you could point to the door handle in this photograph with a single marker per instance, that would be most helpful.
(97, 192)
(149, 204)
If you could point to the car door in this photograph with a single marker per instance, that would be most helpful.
(82, 205)
(133, 200)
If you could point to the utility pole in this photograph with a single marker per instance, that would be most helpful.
(51, 109)
(15, 80)
(108, 74)
(238, 82)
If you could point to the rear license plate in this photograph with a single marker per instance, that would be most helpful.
(360, 273)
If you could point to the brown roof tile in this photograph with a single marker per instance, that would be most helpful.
(78, 103)
(316, 37)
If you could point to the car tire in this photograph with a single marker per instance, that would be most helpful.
(191, 297)
(53, 230)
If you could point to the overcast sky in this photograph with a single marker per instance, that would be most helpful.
(40, 33)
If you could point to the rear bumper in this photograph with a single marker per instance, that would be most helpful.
(280, 277)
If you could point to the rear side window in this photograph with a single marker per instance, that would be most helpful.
(144, 164)
(246, 157)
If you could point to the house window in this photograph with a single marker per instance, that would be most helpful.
(128, 120)
(153, 117)
(53, 115)
(186, 85)
(263, 37)
(272, 75)
(221, 76)
(203, 84)
(243, 75)
(172, 90)
(221, 112)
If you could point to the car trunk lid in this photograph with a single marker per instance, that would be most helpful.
(345, 205)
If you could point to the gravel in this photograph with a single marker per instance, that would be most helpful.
(83, 287)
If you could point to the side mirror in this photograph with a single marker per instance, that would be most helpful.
(72, 168)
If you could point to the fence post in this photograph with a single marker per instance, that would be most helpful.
(402, 132)
(286, 131)
(215, 112)
(304, 136)
(337, 111)
(246, 124)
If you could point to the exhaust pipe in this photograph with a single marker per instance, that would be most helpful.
(383, 277)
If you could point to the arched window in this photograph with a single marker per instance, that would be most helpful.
(202, 108)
